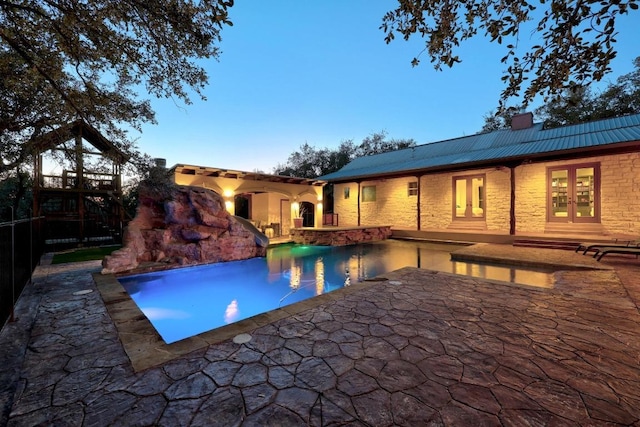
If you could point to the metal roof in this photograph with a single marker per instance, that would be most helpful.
(493, 147)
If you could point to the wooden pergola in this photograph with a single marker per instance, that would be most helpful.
(80, 205)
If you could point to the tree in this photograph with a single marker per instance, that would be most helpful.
(622, 97)
(15, 196)
(61, 60)
(310, 162)
(579, 104)
(575, 105)
(576, 38)
(305, 163)
(499, 120)
(377, 143)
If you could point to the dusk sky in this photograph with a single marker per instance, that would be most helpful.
(320, 72)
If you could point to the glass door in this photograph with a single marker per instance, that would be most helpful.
(468, 197)
(560, 193)
(573, 194)
(585, 201)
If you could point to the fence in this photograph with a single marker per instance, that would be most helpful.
(60, 234)
(21, 245)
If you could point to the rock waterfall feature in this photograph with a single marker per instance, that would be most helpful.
(182, 226)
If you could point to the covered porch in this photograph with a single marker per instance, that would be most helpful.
(273, 203)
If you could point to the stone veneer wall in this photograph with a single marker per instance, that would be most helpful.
(531, 197)
(619, 184)
(436, 208)
(619, 193)
(498, 199)
(435, 201)
(393, 205)
(340, 236)
(347, 209)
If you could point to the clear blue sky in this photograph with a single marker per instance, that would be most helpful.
(320, 72)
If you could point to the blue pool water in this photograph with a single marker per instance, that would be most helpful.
(185, 302)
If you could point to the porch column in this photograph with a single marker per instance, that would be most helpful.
(359, 203)
(418, 204)
(512, 205)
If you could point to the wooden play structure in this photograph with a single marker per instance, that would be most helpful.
(83, 203)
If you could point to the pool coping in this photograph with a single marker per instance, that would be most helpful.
(144, 345)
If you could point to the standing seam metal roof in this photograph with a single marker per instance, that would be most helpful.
(496, 145)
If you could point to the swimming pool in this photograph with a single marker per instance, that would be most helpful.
(185, 302)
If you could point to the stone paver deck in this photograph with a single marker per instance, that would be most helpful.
(419, 348)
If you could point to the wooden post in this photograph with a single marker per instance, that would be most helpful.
(37, 182)
(80, 184)
(359, 196)
(512, 206)
(418, 211)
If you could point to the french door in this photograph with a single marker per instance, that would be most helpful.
(574, 193)
(469, 199)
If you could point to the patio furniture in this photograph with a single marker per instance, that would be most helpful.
(617, 250)
(591, 246)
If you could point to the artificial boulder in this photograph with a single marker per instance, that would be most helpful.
(182, 226)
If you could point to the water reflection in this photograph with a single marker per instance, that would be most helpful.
(322, 265)
(295, 276)
(232, 312)
(427, 258)
(319, 276)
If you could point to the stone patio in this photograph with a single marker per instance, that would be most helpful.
(414, 348)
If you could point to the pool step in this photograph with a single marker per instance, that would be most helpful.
(547, 244)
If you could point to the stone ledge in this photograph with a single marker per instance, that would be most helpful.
(340, 236)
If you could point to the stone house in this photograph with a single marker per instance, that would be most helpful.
(526, 180)
(272, 202)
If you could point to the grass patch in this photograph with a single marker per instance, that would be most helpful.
(79, 255)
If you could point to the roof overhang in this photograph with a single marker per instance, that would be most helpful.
(213, 172)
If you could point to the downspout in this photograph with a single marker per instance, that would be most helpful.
(512, 207)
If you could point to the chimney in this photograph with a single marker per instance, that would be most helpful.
(522, 121)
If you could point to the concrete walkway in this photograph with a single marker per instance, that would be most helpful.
(419, 348)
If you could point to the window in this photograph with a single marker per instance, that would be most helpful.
(369, 193)
(346, 192)
(412, 188)
(468, 200)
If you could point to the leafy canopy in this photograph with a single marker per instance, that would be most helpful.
(15, 196)
(61, 60)
(576, 37)
(310, 162)
(580, 104)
